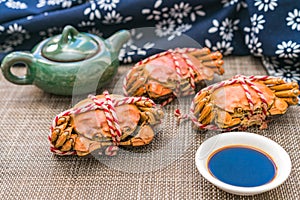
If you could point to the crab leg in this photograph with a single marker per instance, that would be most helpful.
(200, 101)
(219, 70)
(62, 120)
(144, 104)
(213, 56)
(201, 96)
(199, 107)
(56, 132)
(63, 137)
(62, 124)
(208, 119)
(288, 93)
(205, 112)
(69, 144)
(286, 86)
(291, 101)
(185, 86)
(213, 63)
(200, 52)
(273, 81)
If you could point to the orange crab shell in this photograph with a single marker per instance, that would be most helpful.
(228, 97)
(104, 122)
(173, 73)
(170, 72)
(242, 101)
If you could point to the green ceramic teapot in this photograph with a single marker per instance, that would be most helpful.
(70, 63)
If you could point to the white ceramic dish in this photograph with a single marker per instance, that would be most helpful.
(274, 150)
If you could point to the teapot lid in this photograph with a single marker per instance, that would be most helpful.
(70, 46)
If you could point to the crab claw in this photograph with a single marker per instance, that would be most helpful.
(136, 80)
(144, 136)
(151, 115)
(85, 146)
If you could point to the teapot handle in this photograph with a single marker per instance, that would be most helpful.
(18, 58)
(68, 33)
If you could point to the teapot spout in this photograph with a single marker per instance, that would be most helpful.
(118, 39)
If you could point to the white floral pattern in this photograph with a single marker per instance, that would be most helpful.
(288, 73)
(108, 4)
(226, 28)
(15, 28)
(270, 64)
(288, 69)
(106, 11)
(16, 4)
(288, 49)
(131, 48)
(92, 11)
(86, 23)
(266, 5)
(62, 3)
(172, 21)
(180, 11)
(16, 36)
(224, 47)
(254, 45)
(6, 48)
(51, 31)
(179, 30)
(257, 24)
(251, 37)
(293, 20)
(156, 14)
(115, 18)
(95, 31)
(239, 4)
(197, 10)
(165, 27)
(112, 18)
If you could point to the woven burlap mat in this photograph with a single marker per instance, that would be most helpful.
(28, 170)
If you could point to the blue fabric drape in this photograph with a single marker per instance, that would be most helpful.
(269, 29)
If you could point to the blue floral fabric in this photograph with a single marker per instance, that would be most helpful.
(269, 29)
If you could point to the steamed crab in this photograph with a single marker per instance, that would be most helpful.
(242, 102)
(173, 73)
(103, 123)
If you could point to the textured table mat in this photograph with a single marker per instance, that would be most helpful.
(28, 170)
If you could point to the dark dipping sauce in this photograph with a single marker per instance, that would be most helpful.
(242, 166)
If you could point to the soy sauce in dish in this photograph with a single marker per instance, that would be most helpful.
(242, 166)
